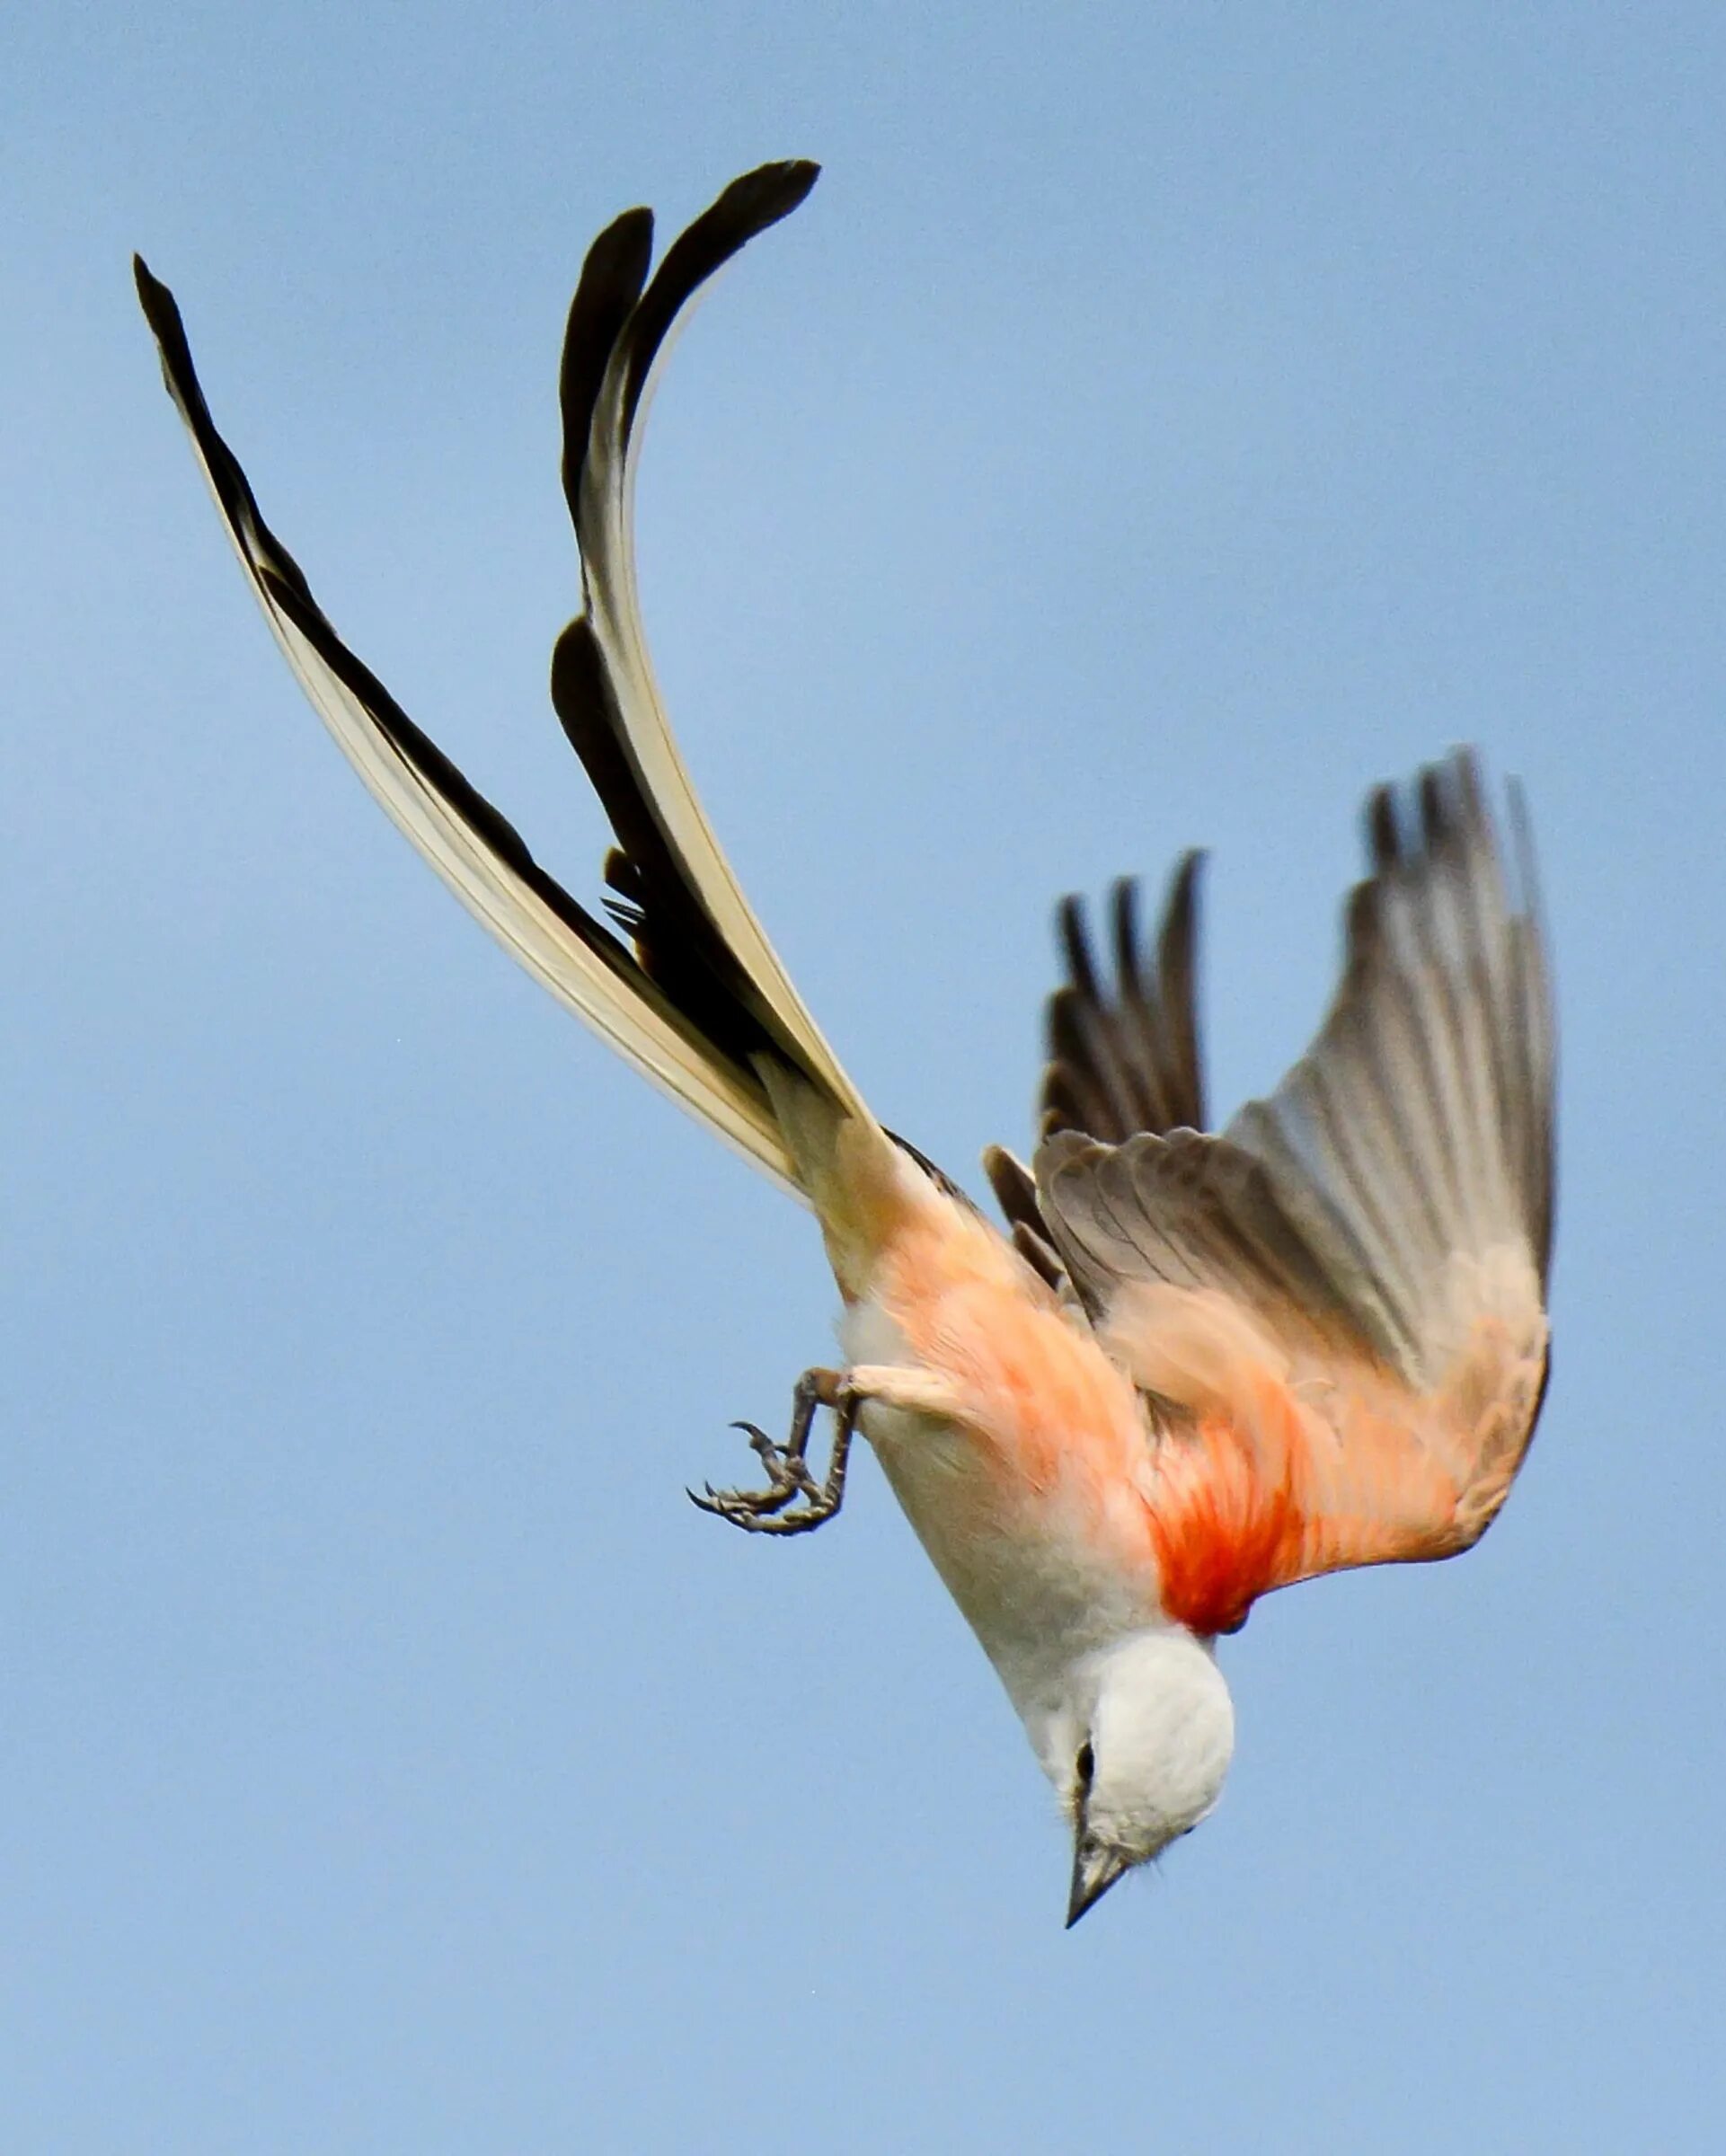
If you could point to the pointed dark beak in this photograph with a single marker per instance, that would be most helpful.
(1095, 1871)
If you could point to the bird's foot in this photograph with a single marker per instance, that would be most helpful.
(793, 1502)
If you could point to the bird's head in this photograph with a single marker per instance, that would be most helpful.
(1137, 1740)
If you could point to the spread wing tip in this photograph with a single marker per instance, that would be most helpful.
(1122, 1041)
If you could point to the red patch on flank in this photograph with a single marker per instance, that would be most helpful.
(1226, 1520)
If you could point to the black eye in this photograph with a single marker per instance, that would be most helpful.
(1085, 1765)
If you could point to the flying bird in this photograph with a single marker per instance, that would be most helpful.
(1198, 1366)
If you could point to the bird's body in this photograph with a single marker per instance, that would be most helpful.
(1014, 1445)
(1197, 1367)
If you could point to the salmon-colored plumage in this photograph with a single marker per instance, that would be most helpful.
(1021, 1374)
(1275, 1462)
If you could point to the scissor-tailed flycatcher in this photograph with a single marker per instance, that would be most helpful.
(1203, 1366)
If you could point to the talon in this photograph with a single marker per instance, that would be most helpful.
(793, 1500)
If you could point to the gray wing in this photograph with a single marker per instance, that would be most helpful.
(1123, 1053)
(1382, 1198)
(1123, 1050)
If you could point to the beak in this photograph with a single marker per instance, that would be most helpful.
(1095, 1871)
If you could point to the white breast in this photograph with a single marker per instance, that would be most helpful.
(1035, 1597)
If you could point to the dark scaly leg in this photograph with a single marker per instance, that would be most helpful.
(793, 1502)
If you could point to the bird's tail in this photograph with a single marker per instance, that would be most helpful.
(695, 999)
(694, 937)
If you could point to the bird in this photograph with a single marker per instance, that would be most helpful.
(1194, 1365)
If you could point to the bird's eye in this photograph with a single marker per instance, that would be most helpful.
(1085, 1765)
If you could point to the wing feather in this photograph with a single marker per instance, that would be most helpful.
(1124, 1054)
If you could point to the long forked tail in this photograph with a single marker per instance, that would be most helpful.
(699, 1004)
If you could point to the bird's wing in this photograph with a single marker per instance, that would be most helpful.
(1339, 1304)
(617, 329)
(1123, 1051)
(1123, 1055)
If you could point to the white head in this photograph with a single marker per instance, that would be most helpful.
(1136, 1738)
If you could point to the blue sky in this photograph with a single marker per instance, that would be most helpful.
(1161, 423)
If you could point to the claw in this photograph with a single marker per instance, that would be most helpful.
(793, 1500)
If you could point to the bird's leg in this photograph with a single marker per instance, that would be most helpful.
(794, 1501)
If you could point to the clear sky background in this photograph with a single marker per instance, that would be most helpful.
(1161, 422)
